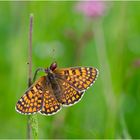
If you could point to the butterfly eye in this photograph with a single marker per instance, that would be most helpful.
(53, 66)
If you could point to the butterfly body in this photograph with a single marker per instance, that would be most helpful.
(58, 88)
(51, 80)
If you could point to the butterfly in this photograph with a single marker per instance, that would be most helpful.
(58, 88)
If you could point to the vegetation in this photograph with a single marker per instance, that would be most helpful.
(108, 41)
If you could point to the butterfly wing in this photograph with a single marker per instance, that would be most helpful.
(31, 101)
(69, 95)
(80, 78)
(50, 104)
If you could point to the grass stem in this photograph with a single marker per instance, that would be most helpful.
(105, 74)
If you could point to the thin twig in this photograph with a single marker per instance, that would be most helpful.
(30, 50)
(30, 71)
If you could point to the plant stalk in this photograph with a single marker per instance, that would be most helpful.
(30, 71)
(32, 122)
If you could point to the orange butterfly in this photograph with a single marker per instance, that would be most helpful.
(59, 87)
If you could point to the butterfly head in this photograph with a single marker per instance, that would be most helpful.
(52, 67)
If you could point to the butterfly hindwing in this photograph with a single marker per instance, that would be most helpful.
(31, 101)
(50, 104)
(69, 95)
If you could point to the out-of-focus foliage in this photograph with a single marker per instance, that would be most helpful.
(63, 35)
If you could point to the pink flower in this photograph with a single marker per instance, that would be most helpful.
(91, 8)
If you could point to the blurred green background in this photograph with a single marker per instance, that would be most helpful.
(111, 43)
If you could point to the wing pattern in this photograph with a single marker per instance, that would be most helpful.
(50, 104)
(31, 101)
(70, 95)
(80, 78)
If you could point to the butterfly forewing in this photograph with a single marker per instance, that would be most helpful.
(69, 95)
(31, 101)
(50, 104)
(79, 77)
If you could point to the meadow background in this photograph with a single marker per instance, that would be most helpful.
(108, 39)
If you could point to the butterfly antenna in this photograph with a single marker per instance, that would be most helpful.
(53, 55)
